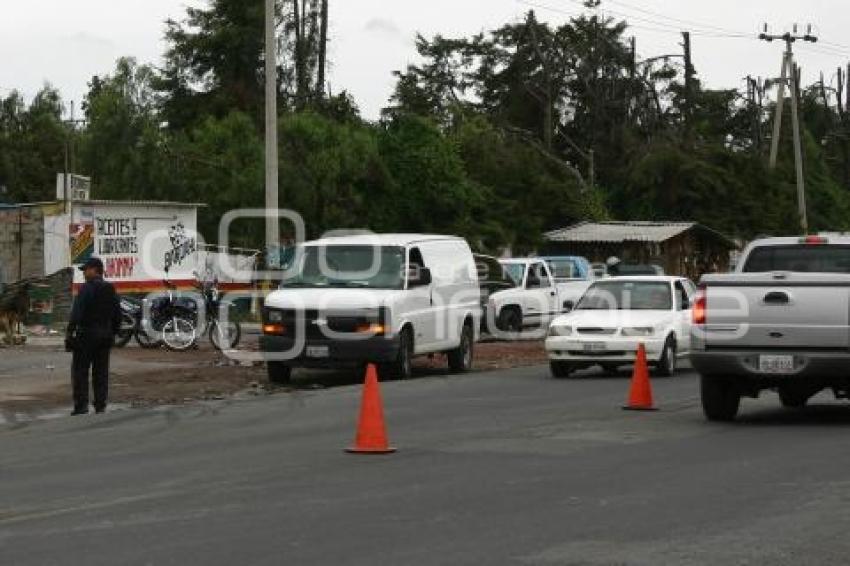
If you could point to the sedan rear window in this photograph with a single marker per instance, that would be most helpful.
(627, 295)
(803, 258)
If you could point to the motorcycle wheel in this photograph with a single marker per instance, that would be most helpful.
(148, 339)
(225, 336)
(125, 331)
(179, 334)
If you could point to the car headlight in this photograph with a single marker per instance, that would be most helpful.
(560, 330)
(275, 316)
(638, 331)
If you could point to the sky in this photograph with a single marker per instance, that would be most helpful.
(66, 43)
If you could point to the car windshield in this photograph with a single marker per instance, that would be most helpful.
(344, 266)
(627, 295)
(516, 271)
(800, 258)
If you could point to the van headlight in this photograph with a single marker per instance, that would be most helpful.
(274, 316)
(560, 330)
(638, 331)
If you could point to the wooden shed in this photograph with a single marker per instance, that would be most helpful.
(681, 248)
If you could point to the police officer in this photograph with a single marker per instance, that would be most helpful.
(95, 318)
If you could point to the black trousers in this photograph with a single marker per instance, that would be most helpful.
(96, 359)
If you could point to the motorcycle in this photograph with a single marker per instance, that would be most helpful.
(131, 320)
(224, 335)
(171, 322)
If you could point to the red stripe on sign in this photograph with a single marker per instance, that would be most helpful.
(182, 285)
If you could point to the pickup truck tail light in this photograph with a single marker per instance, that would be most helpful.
(700, 304)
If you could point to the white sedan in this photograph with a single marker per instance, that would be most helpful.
(615, 316)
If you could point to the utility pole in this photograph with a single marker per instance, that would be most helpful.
(272, 221)
(689, 85)
(790, 73)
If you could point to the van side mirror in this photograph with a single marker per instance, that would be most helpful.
(569, 306)
(420, 277)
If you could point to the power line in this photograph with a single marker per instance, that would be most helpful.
(680, 20)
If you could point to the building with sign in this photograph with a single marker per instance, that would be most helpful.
(140, 242)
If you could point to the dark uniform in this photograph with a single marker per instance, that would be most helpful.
(95, 318)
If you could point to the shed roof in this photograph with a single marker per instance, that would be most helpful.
(631, 231)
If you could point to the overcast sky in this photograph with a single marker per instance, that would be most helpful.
(66, 43)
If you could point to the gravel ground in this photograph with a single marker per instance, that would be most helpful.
(37, 378)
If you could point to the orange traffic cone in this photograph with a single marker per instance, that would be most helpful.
(640, 394)
(371, 431)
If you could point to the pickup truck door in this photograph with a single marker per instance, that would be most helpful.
(683, 304)
(541, 295)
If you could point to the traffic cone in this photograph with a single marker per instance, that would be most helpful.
(371, 431)
(640, 394)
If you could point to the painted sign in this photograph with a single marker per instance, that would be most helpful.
(142, 244)
(82, 235)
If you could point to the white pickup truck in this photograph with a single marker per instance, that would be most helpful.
(781, 321)
(535, 301)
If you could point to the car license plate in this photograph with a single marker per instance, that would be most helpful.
(594, 347)
(317, 352)
(776, 364)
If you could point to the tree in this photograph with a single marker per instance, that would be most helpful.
(32, 146)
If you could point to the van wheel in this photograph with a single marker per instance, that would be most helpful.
(402, 367)
(510, 319)
(460, 359)
(279, 373)
(560, 369)
(667, 364)
(720, 399)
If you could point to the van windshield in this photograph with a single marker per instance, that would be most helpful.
(342, 266)
(800, 258)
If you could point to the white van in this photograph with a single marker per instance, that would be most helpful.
(381, 298)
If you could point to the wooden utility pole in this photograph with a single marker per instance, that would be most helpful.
(323, 51)
(272, 205)
(689, 86)
(790, 73)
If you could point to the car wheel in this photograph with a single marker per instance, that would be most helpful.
(560, 369)
(402, 367)
(460, 359)
(279, 373)
(667, 364)
(793, 399)
(510, 320)
(720, 399)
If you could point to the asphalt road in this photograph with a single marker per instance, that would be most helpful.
(507, 467)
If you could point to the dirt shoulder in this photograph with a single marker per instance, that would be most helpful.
(36, 379)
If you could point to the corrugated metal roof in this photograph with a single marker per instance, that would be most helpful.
(143, 203)
(637, 231)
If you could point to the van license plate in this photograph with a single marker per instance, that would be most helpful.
(317, 352)
(595, 347)
(776, 364)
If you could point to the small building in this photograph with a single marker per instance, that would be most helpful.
(680, 248)
(140, 243)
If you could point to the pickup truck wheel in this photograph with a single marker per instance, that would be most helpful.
(720, 399)
(402, 367)
(793, 399)
(460, 359)
(667, 364)
(279, 373)
(560, 369)
(510, 319)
